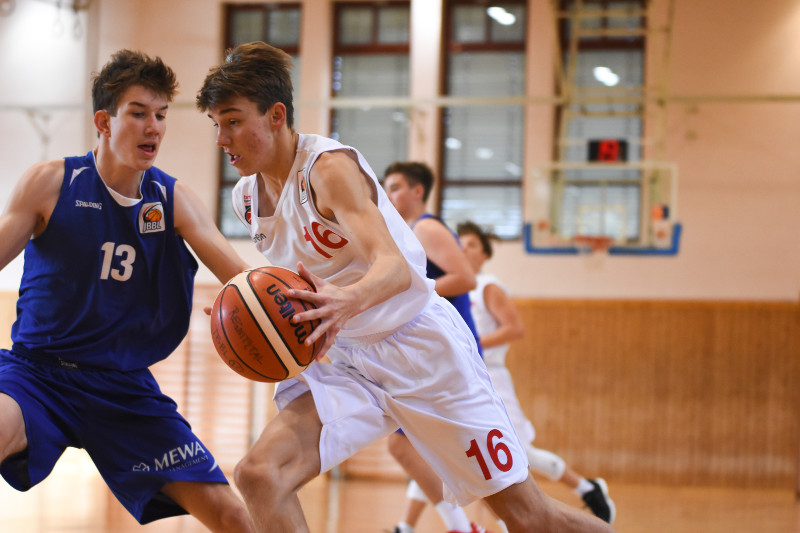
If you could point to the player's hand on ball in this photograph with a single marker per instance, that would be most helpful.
(334, 307)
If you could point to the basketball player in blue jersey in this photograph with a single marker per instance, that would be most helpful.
(408, 186)
(401, 355)
(106, 292)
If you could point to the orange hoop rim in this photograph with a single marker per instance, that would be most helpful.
(596, 243)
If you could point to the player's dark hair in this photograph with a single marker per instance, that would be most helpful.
(471, 228)
(125, 69)
(415, 173)
(256, 71)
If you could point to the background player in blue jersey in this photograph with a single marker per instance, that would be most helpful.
(106, 292)
(408, 185)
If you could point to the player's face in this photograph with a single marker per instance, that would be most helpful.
(137, 129)
(473, 249)
(245, 135)
(400, 193)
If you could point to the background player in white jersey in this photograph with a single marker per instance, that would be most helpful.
(499, 323)
(313, 204)
(106, 291)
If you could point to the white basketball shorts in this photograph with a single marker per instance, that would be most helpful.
(428, 379)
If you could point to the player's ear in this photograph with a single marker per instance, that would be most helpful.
(102, 121)
(277, 114)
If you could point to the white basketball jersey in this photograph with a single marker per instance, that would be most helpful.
(485, 322)
(297, 232)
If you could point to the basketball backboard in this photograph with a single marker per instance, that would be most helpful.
(632, 204)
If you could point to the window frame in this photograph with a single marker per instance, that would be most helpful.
(373, 48)
(230, 9)
(451, 46)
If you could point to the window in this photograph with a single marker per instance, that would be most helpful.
(279, 25)
(602, 43)
(483, 145)
(371, 49)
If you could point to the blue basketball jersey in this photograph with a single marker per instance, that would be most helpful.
(461, 301)
(106, 285)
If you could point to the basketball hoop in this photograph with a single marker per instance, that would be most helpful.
(592, 243)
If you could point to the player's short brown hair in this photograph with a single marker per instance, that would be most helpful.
(415, 173)
(486, 238)
(125, 69)
(256, 71)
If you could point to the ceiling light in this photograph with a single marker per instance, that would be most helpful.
(606, 76)
(502, 16)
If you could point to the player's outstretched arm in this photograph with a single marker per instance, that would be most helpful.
(194, 223)
(509, 323)
(28, 209)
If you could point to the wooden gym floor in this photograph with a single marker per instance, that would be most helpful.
(75, 499)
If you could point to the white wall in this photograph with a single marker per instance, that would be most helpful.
(43, 94)
(738, 162)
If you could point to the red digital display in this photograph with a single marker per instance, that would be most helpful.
(609, 150)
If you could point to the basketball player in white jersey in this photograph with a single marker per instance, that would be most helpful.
(401, 355)
(499, 323)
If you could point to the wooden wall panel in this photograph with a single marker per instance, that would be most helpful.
(665, 392)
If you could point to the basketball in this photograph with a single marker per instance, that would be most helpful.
(251, 325)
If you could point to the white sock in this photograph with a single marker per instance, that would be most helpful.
(402, 527)
(583, 487)
(414, 492)
(503, 528)
(454, 517)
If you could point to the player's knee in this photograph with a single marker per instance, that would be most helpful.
(252, 475)
(545, 462)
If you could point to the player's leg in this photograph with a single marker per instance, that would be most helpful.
(523, 507)
(215, 505)
(414, 510)
(416, 501)
(453, 516)
(36, 421)
(415, 466)
(284, 458)
(12, 427)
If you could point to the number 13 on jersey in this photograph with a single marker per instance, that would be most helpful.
(126, 254)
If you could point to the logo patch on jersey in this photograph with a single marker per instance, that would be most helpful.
(151, 218)
(248, 208)
(302, 185)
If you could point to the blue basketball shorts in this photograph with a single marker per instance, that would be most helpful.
(131, 430)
